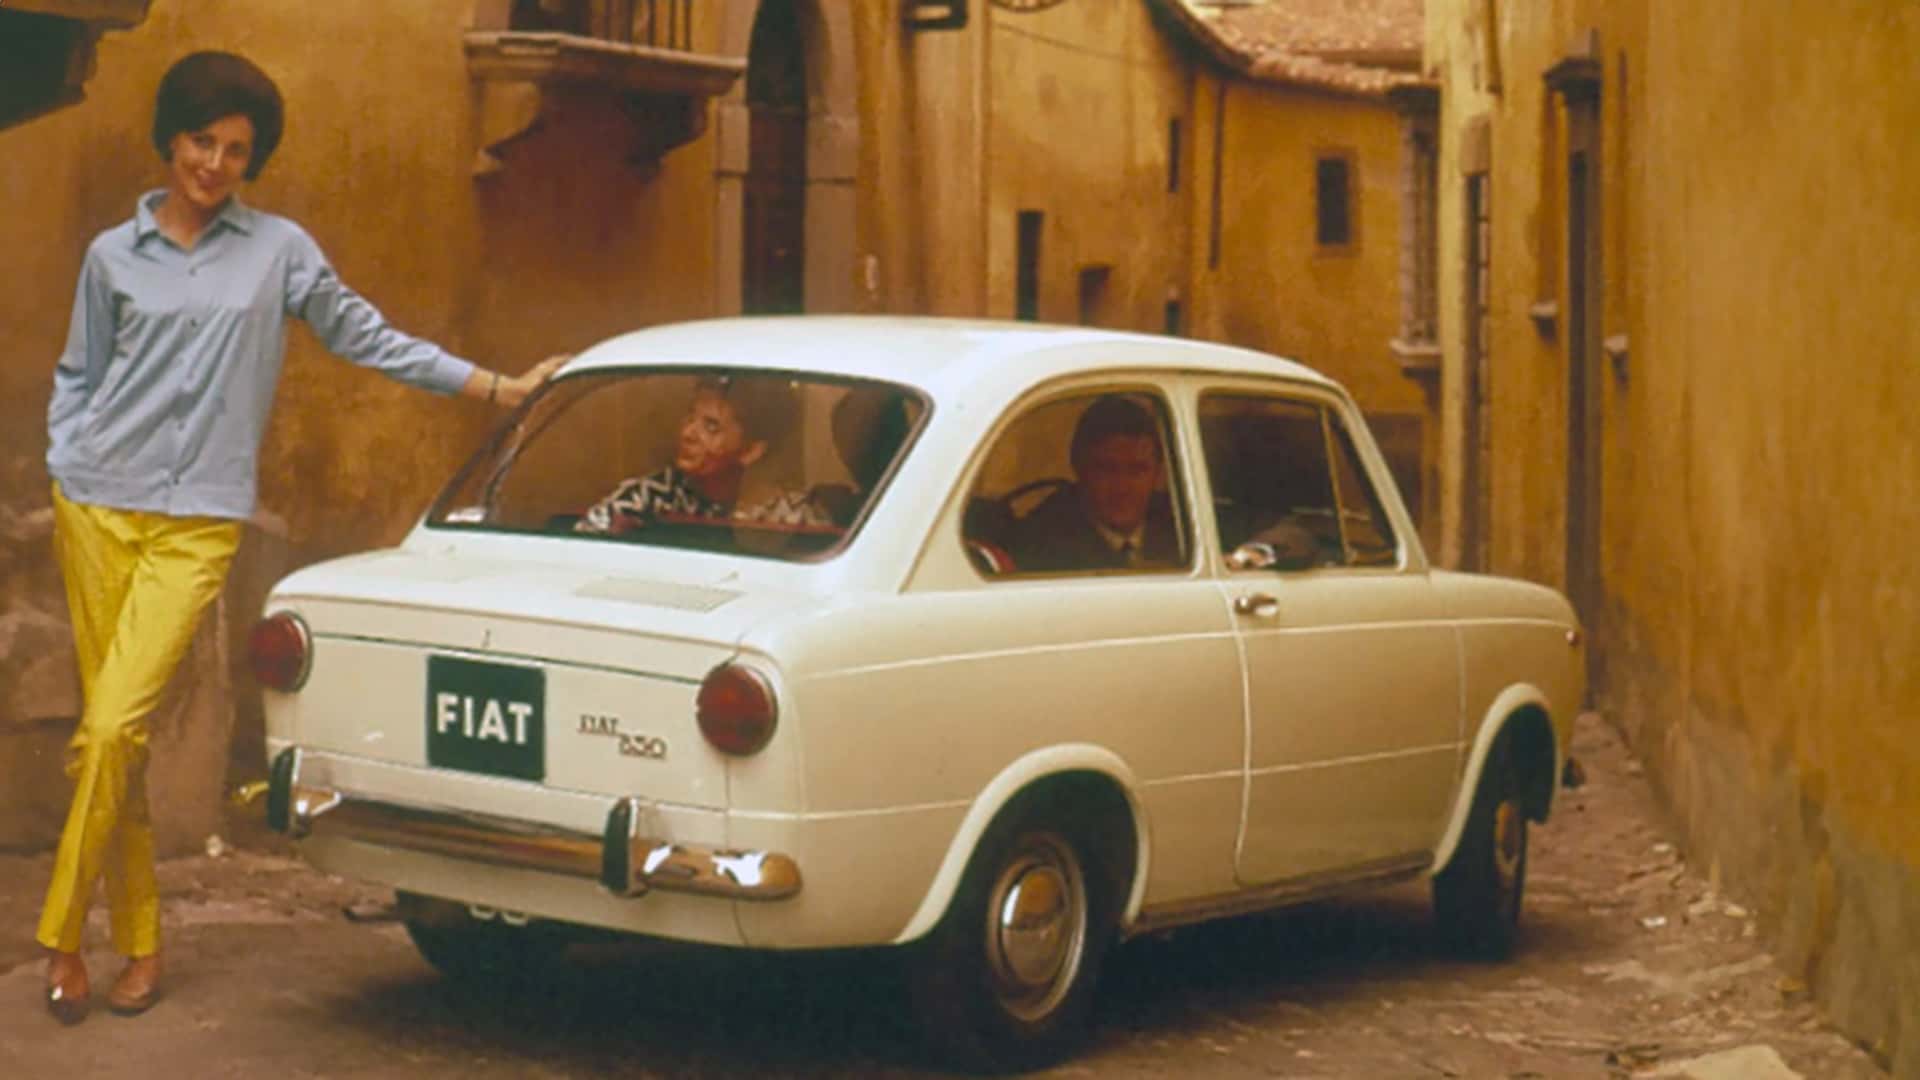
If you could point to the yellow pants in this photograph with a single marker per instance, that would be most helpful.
(137, 584)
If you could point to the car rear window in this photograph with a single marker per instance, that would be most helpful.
(770, 464)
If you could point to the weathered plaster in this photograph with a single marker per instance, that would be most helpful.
(1758, 616)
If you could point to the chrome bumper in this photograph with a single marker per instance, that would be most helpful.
(626, 863)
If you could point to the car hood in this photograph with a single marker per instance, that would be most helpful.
(542, 610)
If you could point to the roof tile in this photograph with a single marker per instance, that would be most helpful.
(1353, 46)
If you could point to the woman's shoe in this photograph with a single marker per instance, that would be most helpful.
(67, 991)
(137, 988)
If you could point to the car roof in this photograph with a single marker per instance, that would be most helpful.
(941, 356)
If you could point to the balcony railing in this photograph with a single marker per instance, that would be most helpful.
(640, 51)
(47, 50)
(661, 24)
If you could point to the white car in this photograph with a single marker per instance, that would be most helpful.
(1010, 642)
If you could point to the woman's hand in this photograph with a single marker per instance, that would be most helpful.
(508, 391)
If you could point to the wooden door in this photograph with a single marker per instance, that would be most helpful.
(773, 266)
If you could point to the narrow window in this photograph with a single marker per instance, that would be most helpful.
(1026, 287)
(1175, 319)
(1477, 297)
(1422, 305)
(1333, 201)
(1093, 294)
(1219, 174)
(1173, 155)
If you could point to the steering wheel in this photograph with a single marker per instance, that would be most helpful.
(989, 558)
(1026, 492)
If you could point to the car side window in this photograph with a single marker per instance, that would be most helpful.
(1288, 488)
(1364, 525)
(1084, 484)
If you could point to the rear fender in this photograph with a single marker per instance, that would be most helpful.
(1016, 778)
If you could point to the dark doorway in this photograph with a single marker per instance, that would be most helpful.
(1584, 435)
(1026, 282)
(773, 266)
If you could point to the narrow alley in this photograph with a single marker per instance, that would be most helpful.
(1629, 966)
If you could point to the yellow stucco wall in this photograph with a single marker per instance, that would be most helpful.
(1273, 286)
(1078, 118)
(921, 186)
(1757, 613)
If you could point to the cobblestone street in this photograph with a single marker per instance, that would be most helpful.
(1630, 966)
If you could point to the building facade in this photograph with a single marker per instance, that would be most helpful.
(1678, 251)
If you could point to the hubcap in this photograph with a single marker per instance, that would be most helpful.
(1509, 844)
(1037, 927)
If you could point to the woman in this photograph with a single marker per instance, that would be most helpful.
(159, 402)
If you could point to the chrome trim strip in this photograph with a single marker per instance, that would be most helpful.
(656, 863)
(462, 834)
(1279, 894)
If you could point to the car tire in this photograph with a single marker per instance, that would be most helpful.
(1476, 899)
(1005, 982)
(460, 946)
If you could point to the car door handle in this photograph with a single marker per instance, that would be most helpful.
(1258, 603)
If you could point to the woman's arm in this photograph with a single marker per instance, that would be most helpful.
(355, 330)
(509, 391)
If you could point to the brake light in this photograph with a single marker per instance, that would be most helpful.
(736, 709)
(280, 651)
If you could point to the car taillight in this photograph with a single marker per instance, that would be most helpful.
(736, 710)
(280, 651)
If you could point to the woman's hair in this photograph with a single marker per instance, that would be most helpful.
(205, 86)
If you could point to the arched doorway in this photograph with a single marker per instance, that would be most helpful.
(773, 255)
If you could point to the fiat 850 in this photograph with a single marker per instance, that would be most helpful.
(994, 643)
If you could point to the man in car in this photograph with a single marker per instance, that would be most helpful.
(727, 427)
(1113, 516)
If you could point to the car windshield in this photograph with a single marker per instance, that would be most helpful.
(770, 464)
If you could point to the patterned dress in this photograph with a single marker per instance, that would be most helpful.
(640, 499)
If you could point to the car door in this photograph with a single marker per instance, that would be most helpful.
(1352, 672)
(1096, 622)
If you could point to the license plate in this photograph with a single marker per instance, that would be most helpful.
(486, 718)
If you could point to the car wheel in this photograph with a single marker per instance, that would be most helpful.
(460, 946)
(1006, 981)
(1476, 899)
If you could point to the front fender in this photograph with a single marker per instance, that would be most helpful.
(1499, 715)
(1017, 777)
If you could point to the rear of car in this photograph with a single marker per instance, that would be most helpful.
(485, 740)
(531, 707)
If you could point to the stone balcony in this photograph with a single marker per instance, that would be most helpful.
(47, 51)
